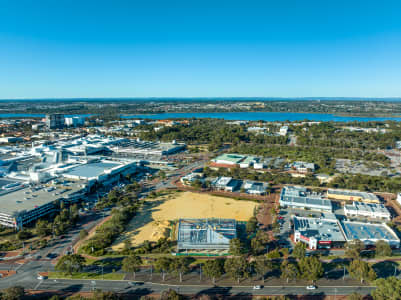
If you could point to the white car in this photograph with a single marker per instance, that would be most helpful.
(257, 287)
(41, 277)
(311, 287)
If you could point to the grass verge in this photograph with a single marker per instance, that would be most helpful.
(106, 276)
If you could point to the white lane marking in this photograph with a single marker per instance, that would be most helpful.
(39, 283)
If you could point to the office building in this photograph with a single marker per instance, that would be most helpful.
(55, 121)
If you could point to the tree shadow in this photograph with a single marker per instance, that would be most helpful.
(385, 269)
(216, 290)
(139, 292)
(72, 288)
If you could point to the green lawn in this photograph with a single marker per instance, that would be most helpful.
(106, 276)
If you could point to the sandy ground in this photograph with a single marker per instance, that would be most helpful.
(152, 222)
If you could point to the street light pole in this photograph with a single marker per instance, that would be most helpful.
(151, 272)
(344, 274)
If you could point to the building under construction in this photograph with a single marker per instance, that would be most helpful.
(205, 234)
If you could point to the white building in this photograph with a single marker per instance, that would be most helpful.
(227, 184)
(302, 167)
(255, 188)
(283, 130)
(318, 232)
(74, 121)
(301, 197)
(367, 210)
(259, 165)
(24, 205)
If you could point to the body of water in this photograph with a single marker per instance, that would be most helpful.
(265, 116)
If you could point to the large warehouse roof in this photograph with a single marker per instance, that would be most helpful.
(351, 193)
(367, 231)
(321, 229)
(301, 197)
(91, 170)
(27, 199)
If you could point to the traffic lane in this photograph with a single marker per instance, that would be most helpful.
(125, 287)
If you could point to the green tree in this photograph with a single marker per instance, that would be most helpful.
(42, 228)
(257, 246)
(131, 264)
(162, 174)
(387, 289)
(262, 265)
(235, 247)
(311, 268)
(383, 248)
(83, 234)
(213, 269)
(107, 295)
(361, 270)
(163, 265)
(180, 265)
(285, 252)
(299, 250)
(13, 293)
(354, 296)
(70, 263)
(353, 249)
(170, 294)
(127, 245)
(251, 225)
(282, 297)
(274, 254)
(289, 271)
(236, 267)
(24, 234)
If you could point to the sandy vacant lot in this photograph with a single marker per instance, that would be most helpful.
(153, 221)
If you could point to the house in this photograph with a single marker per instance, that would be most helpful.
(302, 167)
(255, 188)
(227, 184)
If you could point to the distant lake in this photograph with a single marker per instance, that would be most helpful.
(265, 116)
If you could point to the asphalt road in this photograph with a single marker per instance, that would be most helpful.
(26, 279)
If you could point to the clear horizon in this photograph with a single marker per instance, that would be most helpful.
(179, 49)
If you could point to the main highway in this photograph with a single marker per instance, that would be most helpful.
(27, 278)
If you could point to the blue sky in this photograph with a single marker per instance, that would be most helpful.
(71, 48)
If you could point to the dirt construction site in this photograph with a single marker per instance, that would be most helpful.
(153, 221)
